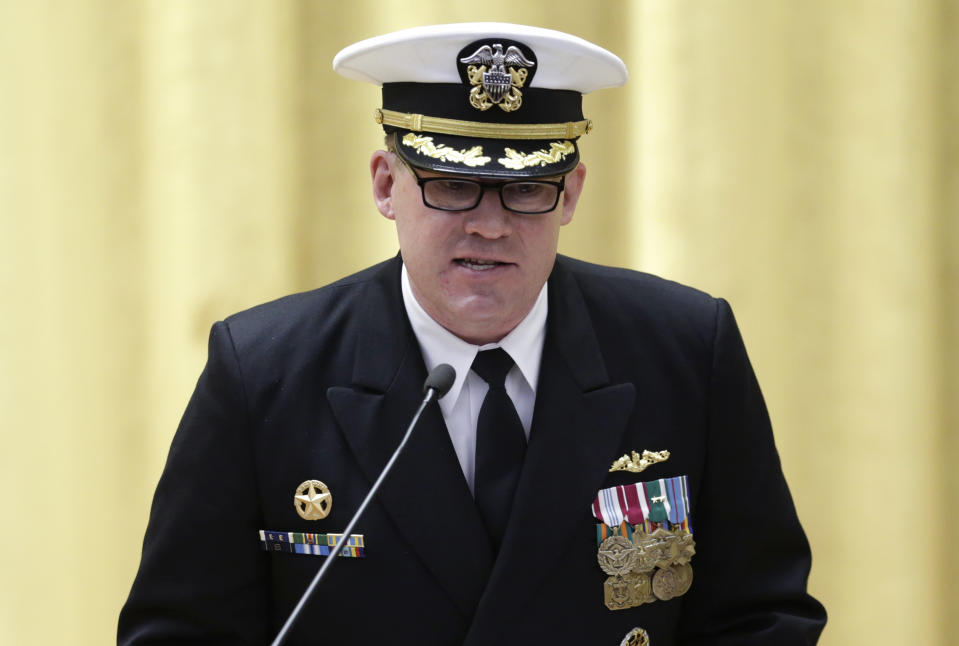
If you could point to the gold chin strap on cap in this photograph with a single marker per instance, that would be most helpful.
(438, 125)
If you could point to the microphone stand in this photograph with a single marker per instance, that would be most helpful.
(431, 395)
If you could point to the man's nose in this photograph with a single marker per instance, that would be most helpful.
(489, 219)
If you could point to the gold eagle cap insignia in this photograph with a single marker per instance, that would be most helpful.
(636, 463)
(497, 76)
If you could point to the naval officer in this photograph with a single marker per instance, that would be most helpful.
(602, 470)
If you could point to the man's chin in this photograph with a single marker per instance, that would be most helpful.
(480, 321)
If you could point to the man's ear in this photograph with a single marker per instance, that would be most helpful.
(381, 173)
(574, 188)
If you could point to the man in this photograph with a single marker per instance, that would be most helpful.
(598, 415)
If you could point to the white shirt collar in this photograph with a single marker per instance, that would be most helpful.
(524, 343)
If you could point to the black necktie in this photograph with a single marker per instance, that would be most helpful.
(500, 445)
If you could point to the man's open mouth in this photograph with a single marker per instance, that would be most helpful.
(478, 265)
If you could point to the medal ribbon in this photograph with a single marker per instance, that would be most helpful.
(675, 509)
(617, 506)
(658, 501)
(603, 532)
(315, 544)
(608, 508)
(677, 489)
(634, 504)
(636, 507)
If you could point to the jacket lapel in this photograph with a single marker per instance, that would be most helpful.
(426, 494)
(578, 423)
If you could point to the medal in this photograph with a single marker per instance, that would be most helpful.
(684, 574)
(617, 593)
(658, 549)
(647, 559)
(666, 584)
(628, 591)
(646, 553)
(617, 556)
(641, 589)
(668, 547)
(686, 546)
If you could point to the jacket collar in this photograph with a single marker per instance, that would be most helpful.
(578, 423)
(426, 495)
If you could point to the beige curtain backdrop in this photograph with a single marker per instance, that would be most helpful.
(164, 164)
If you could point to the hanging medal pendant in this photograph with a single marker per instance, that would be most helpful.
(617, 557)
(648, 559)
(640, 589)
(660, 548)
(682, 564)
(617, 593)
(647, 552)
(666, 583)
(686, 545)
(684, 575)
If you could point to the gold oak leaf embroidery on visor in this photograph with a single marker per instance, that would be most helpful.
(425, 146)
(557, 152)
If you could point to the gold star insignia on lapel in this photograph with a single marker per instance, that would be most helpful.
(313, 500)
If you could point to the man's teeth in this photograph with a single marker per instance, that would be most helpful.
(479, 265)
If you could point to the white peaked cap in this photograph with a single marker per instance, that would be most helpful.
(483, 98)
(422, 55)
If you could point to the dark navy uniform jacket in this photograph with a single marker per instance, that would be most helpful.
(321, 385)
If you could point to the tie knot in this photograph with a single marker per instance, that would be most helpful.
(492, 366)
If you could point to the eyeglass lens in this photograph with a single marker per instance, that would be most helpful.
(456, 195)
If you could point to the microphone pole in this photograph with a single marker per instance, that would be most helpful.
(437, 384)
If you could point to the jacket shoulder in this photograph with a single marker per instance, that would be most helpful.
(630, 288)
(307, 314)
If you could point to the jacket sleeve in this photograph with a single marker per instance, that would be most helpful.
(752, 559)
(202, 576)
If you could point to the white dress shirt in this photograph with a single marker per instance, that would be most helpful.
(461, 405)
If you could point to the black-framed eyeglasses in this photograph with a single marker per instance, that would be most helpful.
(526, 196)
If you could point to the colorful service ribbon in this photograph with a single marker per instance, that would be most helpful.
(645, 503)
(312, 544)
